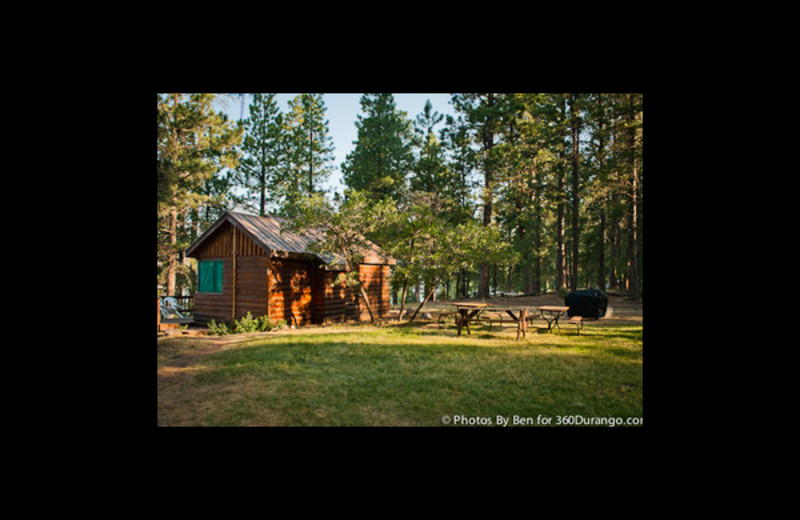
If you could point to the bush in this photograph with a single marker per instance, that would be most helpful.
(218, 329)
(245, 324)
(264, 324)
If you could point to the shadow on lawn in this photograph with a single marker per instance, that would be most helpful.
(401, 336)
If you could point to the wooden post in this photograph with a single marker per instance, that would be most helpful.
(233, 253)
(158, 314)
(269, 266)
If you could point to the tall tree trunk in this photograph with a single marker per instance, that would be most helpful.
(561, 253)
(173, 216)
(601, 160)
(310, 160)
(613, 281)
(403, 299)
(262, 184)
(523, 236)
(601, 268)
(488, 187)
(366, 302)
(536, 278)
(576, 129)
(173, 255)
(633, 243)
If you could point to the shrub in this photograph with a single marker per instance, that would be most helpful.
(218, 329)
(266, 325)
(245, 324)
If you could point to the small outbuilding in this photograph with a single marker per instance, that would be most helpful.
(247, 264)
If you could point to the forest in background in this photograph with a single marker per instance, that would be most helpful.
(517, 192)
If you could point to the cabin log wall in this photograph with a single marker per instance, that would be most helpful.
(375, 280)
(291, 283)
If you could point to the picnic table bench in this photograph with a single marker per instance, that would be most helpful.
(578, 322)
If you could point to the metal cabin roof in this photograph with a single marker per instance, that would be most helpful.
(266, 233)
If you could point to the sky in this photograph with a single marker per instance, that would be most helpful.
(341, 113)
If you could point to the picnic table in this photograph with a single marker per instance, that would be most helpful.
(467, 312)
(551, 313)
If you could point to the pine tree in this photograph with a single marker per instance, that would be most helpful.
(193, 144)
(382, 158)
(461, 162)
(431, 173)
(262, 151)
(308, 152)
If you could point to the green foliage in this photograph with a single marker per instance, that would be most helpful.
(308, 152)
(195, 146)
(555, 179)
(267, 325)
(383, 157)
(262, 152)
(245, 325)
(217, 329)
(193, 143)
(340, 230)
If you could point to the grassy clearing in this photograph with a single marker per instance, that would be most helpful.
(402, 376)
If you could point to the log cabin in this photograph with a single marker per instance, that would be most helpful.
(248, 263)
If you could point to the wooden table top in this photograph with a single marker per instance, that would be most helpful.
(553, 308)
(471, 305)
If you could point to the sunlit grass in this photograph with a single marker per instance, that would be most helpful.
(404, 376)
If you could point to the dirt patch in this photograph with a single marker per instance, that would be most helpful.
(186, 350)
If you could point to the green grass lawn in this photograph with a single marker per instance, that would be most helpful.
(404, 376)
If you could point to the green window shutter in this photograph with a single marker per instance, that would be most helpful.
(210, 276)
(205, 276)
(218, 264)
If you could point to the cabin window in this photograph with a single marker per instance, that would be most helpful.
(210, 276)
